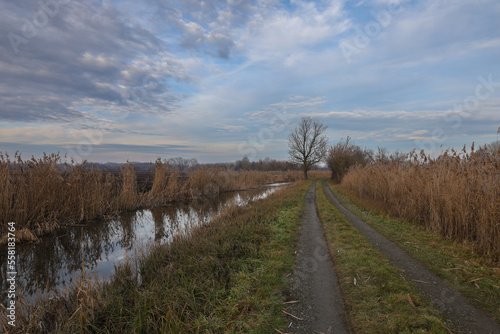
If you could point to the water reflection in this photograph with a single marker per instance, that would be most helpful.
(97, 247)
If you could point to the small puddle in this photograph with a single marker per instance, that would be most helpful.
(58, 258)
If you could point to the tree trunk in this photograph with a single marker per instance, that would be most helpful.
(305, 174)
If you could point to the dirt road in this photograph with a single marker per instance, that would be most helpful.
(450, 303)
(314, 283)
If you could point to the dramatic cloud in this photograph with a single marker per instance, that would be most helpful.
(59, 57)
(205, 78)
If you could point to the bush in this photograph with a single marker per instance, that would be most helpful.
(344, 155)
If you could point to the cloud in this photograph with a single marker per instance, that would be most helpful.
(289, 108)
(389, 2)
(154, 149)
(209, 27)
(438, 30)
(85, 52)
(230, 128)
(295, 101)
(105, 152)
(380, 114)
(420, 132)
(211, 74)
(284, 35)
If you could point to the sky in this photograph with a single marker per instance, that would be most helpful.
(215, 80)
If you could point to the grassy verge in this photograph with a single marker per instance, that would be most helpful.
(377, 297)
(454, 262)
(226, 277)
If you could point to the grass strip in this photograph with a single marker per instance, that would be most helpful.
(377, 296)
(225, 277)
(454, 262)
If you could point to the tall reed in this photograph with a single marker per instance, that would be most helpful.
(128, 198)
(456, 194)
(226, 276)
(39, 194)
(42, 194)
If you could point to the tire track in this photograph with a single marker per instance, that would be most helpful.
(314, 283)
(450, 302)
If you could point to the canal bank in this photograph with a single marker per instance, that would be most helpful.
(226, 275)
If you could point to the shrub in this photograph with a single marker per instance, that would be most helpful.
(344, 155)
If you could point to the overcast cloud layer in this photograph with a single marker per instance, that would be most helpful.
(216, 80)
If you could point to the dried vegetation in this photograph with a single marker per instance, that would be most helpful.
(222, 277)
(456, 194)
(43, 194)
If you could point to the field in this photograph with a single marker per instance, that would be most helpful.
(40, 195)
(456, 195)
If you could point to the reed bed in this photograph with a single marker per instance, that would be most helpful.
(40, 195)
(456, 194)
(223, 277)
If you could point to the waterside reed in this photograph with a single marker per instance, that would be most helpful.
(42, 194)
(223, 277)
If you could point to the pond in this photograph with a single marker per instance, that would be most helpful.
(97, 247)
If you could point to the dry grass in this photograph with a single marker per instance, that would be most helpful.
(456, 194)
(129, 198)
(319, 174)
(40, 195)
(223, 277)
(65, 311)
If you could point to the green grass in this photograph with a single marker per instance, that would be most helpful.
(226, 277)
(475, 277)
(378, 298)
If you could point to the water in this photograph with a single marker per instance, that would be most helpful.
(57, 259)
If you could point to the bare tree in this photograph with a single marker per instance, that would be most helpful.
(398, 156)
(381, 155)
(307, 145)
(494, 148)
(182, 163)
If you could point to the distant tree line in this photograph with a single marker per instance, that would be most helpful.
(185, 164)
(266, 164)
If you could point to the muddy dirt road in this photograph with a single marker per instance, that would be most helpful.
(313, 283)
(449, 302)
